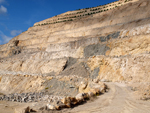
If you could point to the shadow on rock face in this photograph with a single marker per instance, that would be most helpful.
(76, 69)
(110, 36)
(71, 61)
(95, 49)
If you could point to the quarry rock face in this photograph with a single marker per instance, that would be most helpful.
(74, 57)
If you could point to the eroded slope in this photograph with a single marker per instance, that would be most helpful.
(76, 56)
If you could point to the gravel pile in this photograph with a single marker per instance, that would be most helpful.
(31, 97)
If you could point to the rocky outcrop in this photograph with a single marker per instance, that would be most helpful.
(72, 59)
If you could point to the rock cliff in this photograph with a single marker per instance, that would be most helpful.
(107, 43)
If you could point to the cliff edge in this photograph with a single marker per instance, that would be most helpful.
(82, 51)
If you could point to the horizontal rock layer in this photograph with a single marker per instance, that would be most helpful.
(109, 46)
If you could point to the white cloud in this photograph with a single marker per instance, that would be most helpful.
(3, 9)
(3, 38)
(1, 1)
(15, 32)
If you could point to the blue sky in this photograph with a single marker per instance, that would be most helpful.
(17, 16)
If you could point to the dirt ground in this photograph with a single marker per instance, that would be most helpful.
(119, 99)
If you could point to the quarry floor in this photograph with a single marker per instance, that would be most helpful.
(119, 99)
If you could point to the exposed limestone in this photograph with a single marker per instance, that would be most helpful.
(66, 63)
(127, 68)
(52, 107)
(80, 97)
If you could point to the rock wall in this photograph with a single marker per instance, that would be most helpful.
(54, 58)
(109, 46)
(131, 68)
(99, 24)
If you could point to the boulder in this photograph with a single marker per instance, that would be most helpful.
(66, 101)
(59, 105)
(80, 97)
(96, 80)
(27, 110)
(90, 94)
(83, 85)
(49, 106)
(73, 100)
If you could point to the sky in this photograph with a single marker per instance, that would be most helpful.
(16, 16)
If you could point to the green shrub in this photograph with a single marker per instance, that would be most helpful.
(46, 88)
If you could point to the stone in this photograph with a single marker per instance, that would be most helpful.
(83, 85)
(66, 101)
(73, 101)
(90, 94)
(59, 105)
(85, 96)
(96, 80)
(80, 97)
(97, 90)
(51, 107)
(104, 80)
(105, 47)
(27, 110)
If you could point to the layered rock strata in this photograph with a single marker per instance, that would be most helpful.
(75, 57)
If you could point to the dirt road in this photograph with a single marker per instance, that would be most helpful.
(119, 99)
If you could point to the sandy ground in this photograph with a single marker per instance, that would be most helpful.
(119, 99)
